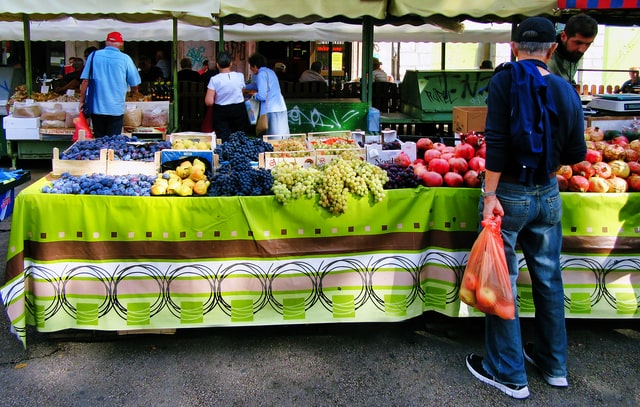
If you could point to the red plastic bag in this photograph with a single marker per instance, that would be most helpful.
(207, 121)
(81, 124)
(485, 282)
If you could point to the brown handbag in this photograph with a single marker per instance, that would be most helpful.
(262, 125)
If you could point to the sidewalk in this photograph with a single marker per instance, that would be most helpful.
(419, 362)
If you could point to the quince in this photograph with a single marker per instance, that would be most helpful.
(188, 181)
(184, 190)
(201, 145)
(201, 187)
(199, 163)
(178, 145)
(183, 171)
(173, 186)
(188, 144)
(158, 189)
(197, 173)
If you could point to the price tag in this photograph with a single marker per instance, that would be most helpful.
(71, 92)
(44, 89)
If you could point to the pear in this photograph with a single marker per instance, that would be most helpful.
(184, 190)
(183, 171)
(188, 181)
(201, 145)
(161, 181)
(197, 173)
(167, 174)
(158, 189)
(201, 187)
(199, 163)
(173, 186)
(188, 144)
(178, 145)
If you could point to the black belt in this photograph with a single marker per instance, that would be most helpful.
(516, 180)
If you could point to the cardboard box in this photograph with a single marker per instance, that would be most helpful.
(469, 118)
(175, 155)
(22, 134)
(376, 155)
(10, 122)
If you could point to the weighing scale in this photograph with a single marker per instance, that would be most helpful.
(620, 103)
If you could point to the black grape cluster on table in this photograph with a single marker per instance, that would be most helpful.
(100, 184)
(124, 148)
(236, 175)
(399, 176)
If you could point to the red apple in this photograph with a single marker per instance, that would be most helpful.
(486, 299)
(470, 281)
(453, 179)
(505, 310)
(439, 165)
(467, 296)
(578, 183)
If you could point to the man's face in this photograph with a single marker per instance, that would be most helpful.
(576, 46)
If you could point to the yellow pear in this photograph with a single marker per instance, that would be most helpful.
(201, 187)
(167, 174)
(161, 181)
(188, 144)
(199, 163)
(188, 181)
(177, 145)
(173, 186)
(201, 145)
(197, 173)
(184, 190)
(183, 172)
(159, 189)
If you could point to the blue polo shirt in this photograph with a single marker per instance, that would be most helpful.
(113, 72)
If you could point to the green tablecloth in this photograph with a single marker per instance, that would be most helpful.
(121, 263)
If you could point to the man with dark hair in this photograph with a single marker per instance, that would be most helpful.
(148, 71)
(579, 33)
(186, 73)
(313, 74)
(534, 123)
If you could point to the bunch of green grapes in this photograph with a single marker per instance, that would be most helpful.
(291, 181)
(342, 177)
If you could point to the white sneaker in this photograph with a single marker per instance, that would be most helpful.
(555, 381)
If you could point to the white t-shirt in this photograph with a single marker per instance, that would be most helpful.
(228, 87)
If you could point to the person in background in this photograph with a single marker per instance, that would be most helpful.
(520, 186)
(186, 73)
(205, 67)
(313, 74)
(209, 72)
(71, 80)
(113, 73)
(633, 84)
(378, 74)
(148, 71)
(163, 64)
(486, 64)
(281, 71)
(18, 75)
(225, 94)
(579, 33)
(266, 89)
(88, 51)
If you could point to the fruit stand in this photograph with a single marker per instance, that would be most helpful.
(127, 263)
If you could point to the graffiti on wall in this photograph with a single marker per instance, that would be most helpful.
(454, 88)
(326, 117)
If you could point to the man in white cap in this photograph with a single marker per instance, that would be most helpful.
(112, 72)
(534, 123)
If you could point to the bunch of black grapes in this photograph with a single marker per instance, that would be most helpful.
(399, 176)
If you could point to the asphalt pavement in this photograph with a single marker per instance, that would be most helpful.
(419, 362)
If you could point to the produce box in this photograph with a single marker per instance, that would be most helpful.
(78, 167)
(145, 132)
(287, 142)
(469, 118)
(623, 124)
(177, 155)
(21, 128)
(332, 139)
(192, 138)
(326, 156)
(124, 167)
(376, 155)
(270, 159)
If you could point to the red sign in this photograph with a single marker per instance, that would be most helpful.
(598, 4)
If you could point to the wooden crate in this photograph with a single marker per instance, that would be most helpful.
(78, 167)
(270, 159)
(280, 141)
(326, 156)
(121, 167)
(193, 136)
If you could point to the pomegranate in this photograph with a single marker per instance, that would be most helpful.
(448, 149)
(578, 183)
(613, 152)
(419, 169)
(402, 160)
(458, 164)
(597, 184)
(593, 156)
(431, 179)
(439, 165)
(635, 145)
(565, 171)
(634, 167)
(453, 179)
(482, 151)
(431, 154)
(477, 164)
(590, 144)
(473, 139)
(617, 185)
(471, 179)
(563, 183)
(439, 146)
(602, 169)
(424, 144)
(446, 156)
(600, 145)
(621, 141)
(593, 134)
(630, 155)
(464, 150)
(620, 168)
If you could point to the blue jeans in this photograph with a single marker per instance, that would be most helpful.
(532, 216)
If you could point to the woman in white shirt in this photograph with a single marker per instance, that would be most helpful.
(225, 94)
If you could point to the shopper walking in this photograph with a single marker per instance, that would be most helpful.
(534, 123)
(267, 91)
(112, 72)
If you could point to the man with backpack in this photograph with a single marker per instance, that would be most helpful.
(534, 123)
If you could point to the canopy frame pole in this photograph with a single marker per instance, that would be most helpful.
(27, 54)
(174, 51)
(366, 85)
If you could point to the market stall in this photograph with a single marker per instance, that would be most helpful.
(123, 263)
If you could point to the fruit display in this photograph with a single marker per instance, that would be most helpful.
(124, 148)
(100, 184)
(240, 144)
(188, 144)
(189, 178)
(609, 165)
(331, 183)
